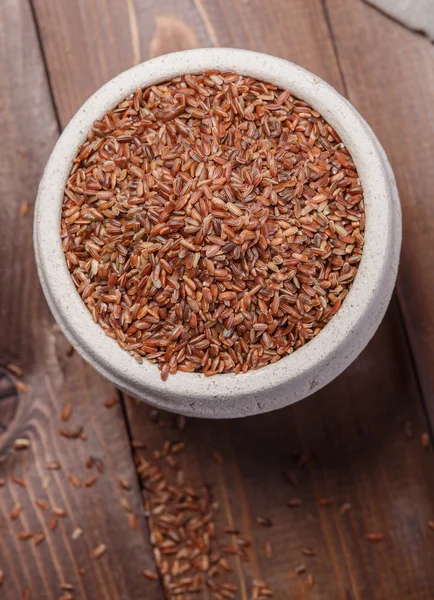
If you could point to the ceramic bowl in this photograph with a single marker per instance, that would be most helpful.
(308, 368)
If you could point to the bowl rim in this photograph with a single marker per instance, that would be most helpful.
(181, 392)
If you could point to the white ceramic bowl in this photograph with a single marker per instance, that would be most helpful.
(295, 376)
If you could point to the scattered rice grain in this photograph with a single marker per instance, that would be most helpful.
(23, 535)
(21, 444)
(76, 533)
(374, 537)
(74, 480)
(53, 465)
(66, 412)
(15, 512)
(19, 480)
(42, 504)
(25, 208)
(90, 481)
(150, 575)
(425, 440)
(38, 538)
(20, 386)
(14, 369)
(123, 483)
(98, 551)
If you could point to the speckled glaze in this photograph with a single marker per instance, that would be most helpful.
(295, 376)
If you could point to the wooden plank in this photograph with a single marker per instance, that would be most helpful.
(294, 30)
(352, 433)
(356, 442)
(348, 459)
(89, 42)
(393, 87)
(54, 379)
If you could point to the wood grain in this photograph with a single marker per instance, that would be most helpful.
(295, 30)
(356, 442)
(86, 43)
(30, 339)
(393, 86)
(355, 434)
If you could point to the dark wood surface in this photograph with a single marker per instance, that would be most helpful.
(399, 75)
(30, 340)
(355, 444)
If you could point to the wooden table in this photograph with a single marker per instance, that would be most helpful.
(352, 453)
